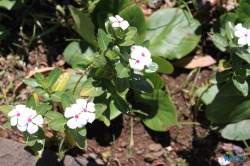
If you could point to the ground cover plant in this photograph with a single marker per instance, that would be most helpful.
(116, 65)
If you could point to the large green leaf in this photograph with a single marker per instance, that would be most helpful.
(136, 18)
(120, 104)
(237, 131)
(5, 109)
(80, 140)
(53, 115)
(40, 79)
(164, 66)
(243, 13)
(241, 84)
(122, 71)
(102, 39)
(207, 93)
(106, 8)
(66, 101)
(141, 84)
(91, 88)
(83, 25)
(219, 41)
(156, 80)
(99, 109)
(62, 81)
(174, 36)
(79, 54)
(31, 82)
(220, 77)
(229, 105)
(30, 102)
(58, 124)
(161, 111)
(52, 77)
(11, 4)
(42, 109)
(121, 84)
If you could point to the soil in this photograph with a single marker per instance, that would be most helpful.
(190, 142)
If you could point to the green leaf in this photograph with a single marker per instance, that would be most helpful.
(136, 18)
(52, 77)
(11, 4)
(127, 43)
(219, 41)
(5, 109)
(53, 115)
(160, 110)
(121, 84)
(42, 109)
(220, 77)
(237, 131)
(91, 88)
(224, 65)
(241, 84)
(99, 109)
(174, 36)
(145, 43)
(72, 98)
(111, 54)
(62, 81)
(243, 53)
(40, 79)
(141, 84)
(229, 104)
(82, 131)
(58, 124)
(121, 104)
(102, 39)
(230, 30)
(72, 83)
(243, 13)
(40, 91)
(56, 96)
(3, 32)
(207, 93)
(79, 54)
(66, 101)
(104, 8)
(83, 25)
(30, 102)
(122, 71)
(30, 139)
(80, 140)
(31, 82)
(221, 23)
(156, 80)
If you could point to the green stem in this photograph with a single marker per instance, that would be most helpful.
(131, 137)
(83, 74)
(246, 144)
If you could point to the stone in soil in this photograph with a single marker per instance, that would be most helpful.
(149, 158)
(155, 147)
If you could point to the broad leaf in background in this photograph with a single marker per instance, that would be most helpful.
(230, 104)
(237, 131)
(243, 13)
(174, 36)
(136, 18)
(207, 93)
(161, 111)
(164, 66)
(91, 88)
(106, 8)
(11, 4)
(241, 84)
(62, 81)
(102, 39)
(83, 25)
(79, 54)
(156, 80)
(141, 84)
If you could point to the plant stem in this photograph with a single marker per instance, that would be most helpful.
(246, 144)
(83, 74)
(131, 144)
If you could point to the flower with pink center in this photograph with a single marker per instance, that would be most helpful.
(140, 57)
(87, 108)
(16, 113)
(30, 121)
(243, 34)
(117, 21)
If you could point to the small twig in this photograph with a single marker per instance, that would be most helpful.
(83, 74)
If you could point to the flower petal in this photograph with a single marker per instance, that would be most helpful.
(242, 41)
(69, 112)
(113, 19)
(38, 120)
(81, 122)
(72, 123)
(118, 18)
(239, 33)
(82, 103)
(148, 61)
(76, 109)
(32, 128)
(22, 121)
(20, 107)
(22, 128)
(91, 107)
(146, 52)
(91, 117)
(124, 25)
(13, 121)
(12, 113)
(115, 24)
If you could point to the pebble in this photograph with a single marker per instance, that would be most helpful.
(155, 147)
(169, 148)
(149, 158)
(99, 161)
(123, 144)
(93, 155)
(158, 154)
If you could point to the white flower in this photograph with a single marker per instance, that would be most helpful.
(243, 34)
(87, 109)
(140, 56)
(30, 121)
(222, 161)
(16, 113)
(117, 21)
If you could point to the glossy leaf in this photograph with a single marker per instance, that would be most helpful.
(121, 84)
(243, 13)
(243, 53)
(224, 65)
(156, 80)
(237, 131)
(174, 36)
(5, 109)
(31, 82)
(102, 39)
(42, 109)
(206, 93)
(122, 71)
(160, 110)
(241, 84)
(230, 30)
(79, 54)
(65, 100)
(58, 124)
(52, 77)
(141, 84)
(120, 104)
(99, 109)
(53, 115)
(91, 88)
(220, 77)
(80, 140)
(30, 102)
(56, 97)
(40, 79)
(83, 25)
(221, 23)
(164, 66)
(230, 104)
(219, 41)
(82, 131)
(62, 81)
